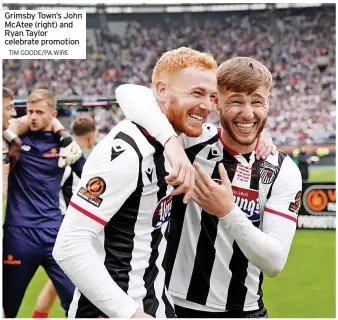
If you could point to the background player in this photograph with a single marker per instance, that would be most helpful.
(33, 216)
(84, 133)
(11, 143)
(215, 266)
(8, 112)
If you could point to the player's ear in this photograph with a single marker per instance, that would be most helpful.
(216, 102)
(161, 90)
(54, 114)
(90, 139)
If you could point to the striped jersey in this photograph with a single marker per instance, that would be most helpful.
(69, 184)
(206, 268)
(123, 189)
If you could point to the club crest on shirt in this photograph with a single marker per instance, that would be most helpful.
(162, 211)
(248, 201)
(94, 188)
(268, 172)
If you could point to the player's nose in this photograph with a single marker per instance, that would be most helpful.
(13, 113)
(206, 104)
(248, 112)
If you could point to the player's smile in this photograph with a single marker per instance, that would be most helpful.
(196, 117)
(244, 127)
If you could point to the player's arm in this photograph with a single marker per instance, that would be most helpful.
(14, 147)
(70, 151)
(105, 185)
(19, 126)
(265, 145)
(268, 248)
(140, 106)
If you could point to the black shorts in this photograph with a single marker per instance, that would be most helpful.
(182, 312)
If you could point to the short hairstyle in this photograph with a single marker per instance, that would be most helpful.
(176, 60)
(83, 125)
(7, 93)
(243, 74)
(42, 94)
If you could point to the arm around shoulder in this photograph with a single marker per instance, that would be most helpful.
(140, 106)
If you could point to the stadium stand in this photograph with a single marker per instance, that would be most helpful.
(296, 44)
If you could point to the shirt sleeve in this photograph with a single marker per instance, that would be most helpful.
(77, 167)
(268, 248)
(140, 106)
(109, 177)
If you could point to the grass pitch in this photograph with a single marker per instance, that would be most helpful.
(305, 289)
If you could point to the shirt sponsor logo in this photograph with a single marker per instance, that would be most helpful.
(10, 260)
(162, 211)
(248, 201)
(94, 188)
(52, 154)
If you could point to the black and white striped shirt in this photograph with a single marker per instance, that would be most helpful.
(69, 184)
(207, 269)
(124, 204)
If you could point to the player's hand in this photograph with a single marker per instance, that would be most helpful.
(69, 154)
(140, 314)
(14, 152)
(182, 172)
(265, 146)
(214, 198)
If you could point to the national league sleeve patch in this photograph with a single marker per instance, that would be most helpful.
(94, 188)
(294, 206)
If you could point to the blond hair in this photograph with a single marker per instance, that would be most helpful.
(7, 93)
(42, 95)
(176, 60)
(243, 74)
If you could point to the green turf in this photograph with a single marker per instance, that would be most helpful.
(305, 288)
(322, 174)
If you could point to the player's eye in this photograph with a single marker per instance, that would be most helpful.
(236, 102)
(196, 93)
(257, 104)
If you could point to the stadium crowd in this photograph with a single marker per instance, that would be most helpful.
(297, 47)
